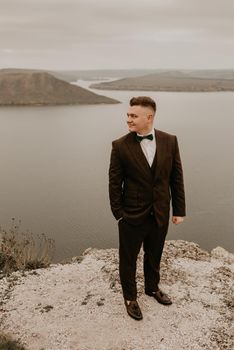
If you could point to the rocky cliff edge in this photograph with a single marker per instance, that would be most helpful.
(79, 305)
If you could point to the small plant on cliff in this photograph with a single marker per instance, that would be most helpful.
(19, 250)
(7, 343)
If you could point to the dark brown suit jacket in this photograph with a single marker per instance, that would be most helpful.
(135, 191)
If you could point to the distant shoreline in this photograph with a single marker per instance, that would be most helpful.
(168, 84)
(158, 89)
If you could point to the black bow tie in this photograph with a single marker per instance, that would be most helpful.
(140, 138)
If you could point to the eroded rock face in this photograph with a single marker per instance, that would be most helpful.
(79, 305)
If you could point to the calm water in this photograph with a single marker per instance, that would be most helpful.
(54, 168)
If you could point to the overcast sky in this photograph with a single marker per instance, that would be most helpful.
(90, 34)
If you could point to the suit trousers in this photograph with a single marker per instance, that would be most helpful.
(131, 238)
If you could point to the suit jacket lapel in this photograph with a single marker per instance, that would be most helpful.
(140, 159)
(138, 155)
(153, 165)
(161, 151)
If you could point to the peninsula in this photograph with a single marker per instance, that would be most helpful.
(42, 88)
(186, 81)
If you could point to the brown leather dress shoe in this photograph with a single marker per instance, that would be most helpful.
(160, 296)
(133, 309)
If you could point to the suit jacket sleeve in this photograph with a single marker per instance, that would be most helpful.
(116, 176)
(177, 184)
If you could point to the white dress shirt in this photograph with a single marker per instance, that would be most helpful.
(149, 147)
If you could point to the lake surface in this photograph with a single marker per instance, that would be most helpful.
(54, 168)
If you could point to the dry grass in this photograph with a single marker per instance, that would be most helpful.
(21, 251)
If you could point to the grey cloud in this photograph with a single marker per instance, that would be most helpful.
(81, 27)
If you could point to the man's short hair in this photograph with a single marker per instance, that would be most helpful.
(144, 101)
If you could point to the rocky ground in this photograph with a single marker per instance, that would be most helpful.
(79, 305)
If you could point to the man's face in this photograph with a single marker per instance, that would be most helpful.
(140, 119)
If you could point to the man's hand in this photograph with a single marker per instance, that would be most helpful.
(177, 219)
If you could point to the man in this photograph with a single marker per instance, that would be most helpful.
(145, 174)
